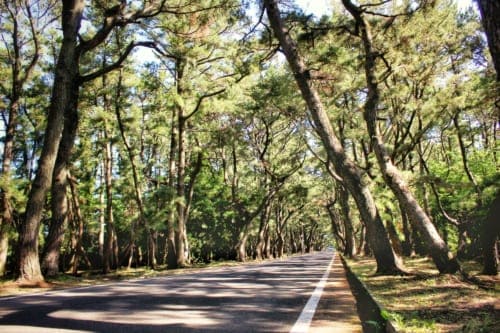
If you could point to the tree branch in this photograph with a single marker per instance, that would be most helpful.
(200, 101)
(89, 77)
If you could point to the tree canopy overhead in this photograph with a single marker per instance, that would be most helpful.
(250, 130)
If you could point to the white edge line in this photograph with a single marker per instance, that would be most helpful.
(304, 321)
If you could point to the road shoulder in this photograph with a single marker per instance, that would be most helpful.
(336, 311)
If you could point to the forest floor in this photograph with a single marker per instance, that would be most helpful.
(425, 301)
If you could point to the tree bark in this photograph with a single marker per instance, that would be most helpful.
(20, 73)
(436, 246)
(65, 75)
(180, 235)
(109, 257)
(78, 250)
(171, 249)
(102, 222)
(335, 221)
(490, 12)
(6, 218)
(59, 201)
(350, 247)
(490, 234)
(407, 244)
(263, 227)
(387, 261)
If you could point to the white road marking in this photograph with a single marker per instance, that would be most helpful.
(304, 321)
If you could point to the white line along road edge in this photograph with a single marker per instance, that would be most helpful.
(304, 321)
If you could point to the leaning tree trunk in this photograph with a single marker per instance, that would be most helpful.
(490, 12)
(387, 261)
(436, 246)
(59, 201)
(66, 74)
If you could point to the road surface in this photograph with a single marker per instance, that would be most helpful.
(268, 297)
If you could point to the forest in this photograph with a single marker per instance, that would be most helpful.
(164, 133)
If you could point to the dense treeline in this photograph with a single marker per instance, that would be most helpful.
(166, 133)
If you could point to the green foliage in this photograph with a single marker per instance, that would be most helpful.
(252, 125)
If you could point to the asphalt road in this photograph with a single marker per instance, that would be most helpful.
(267, 297)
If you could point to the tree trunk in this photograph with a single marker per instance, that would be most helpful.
(135, 176)
(280, 231)
(241, 246)
(59, 201)
(392, 177)
(6, 217)
(102, 223)
(109, 257)
(171, 249)
(180, 237)
(268, 250)
(387, 261)
(335, 221)
(261, 244)
(362, 241)
(62, 93)
(490, 12)
(465, 162)
(490, 234)
(350, 247)
(407, 244)
(20, 73)
(79, 224)
(393, 235)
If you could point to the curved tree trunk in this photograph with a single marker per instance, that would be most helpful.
(65, 75)
(387, 261)
(436, 246)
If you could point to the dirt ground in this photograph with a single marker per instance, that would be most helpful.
(425, 301)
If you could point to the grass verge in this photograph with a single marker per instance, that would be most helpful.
(426, 301)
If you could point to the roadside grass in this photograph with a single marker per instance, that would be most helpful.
(425, 301)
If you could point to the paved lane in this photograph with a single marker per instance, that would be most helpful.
(251, 298)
